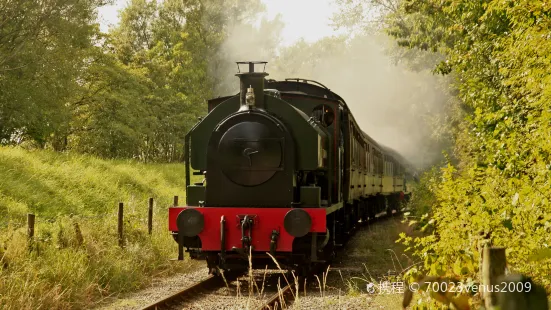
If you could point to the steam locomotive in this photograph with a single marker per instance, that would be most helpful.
(288, 175)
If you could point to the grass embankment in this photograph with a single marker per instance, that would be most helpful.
(71, 269)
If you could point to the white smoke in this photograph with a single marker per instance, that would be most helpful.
(391, 103)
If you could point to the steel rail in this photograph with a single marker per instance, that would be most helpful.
(286, 295)
(283, 297)
(211, 283)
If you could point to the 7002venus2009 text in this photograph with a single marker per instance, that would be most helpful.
(503, 287)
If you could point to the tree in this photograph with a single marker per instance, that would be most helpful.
(149, 82)
(497, 189)
(110, 119)
(42, 45)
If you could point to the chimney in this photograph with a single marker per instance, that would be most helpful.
(251, 85)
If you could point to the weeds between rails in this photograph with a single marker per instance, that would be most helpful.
(287, 284)
(290, 292)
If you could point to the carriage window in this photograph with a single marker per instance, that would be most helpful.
(352, 150)
(364, 157)
(324, 114)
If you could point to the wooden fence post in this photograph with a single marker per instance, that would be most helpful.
(30, 229)
(175, 201)
(78, 234)
(493, 267)
(150, 216)
(517, 292)
(120, 224)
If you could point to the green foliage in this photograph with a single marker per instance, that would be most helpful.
(132, 93)
(73, 270)
(498, 193)
(41, 53)
(61, 273)
(148, 91)
(495, 187)
(51, 184)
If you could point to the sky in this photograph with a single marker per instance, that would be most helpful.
(312, 26)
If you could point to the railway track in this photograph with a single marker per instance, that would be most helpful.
(209, 284)
(274, 297)
(248, 292)
(281, 298)
(287, 294)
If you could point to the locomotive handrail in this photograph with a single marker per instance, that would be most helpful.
(306, 81)
(186, 158)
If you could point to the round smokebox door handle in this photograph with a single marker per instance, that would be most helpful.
(190, 222)
(297, 222)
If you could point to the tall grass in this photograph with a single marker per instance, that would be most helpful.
(49, 183)
(69, 268)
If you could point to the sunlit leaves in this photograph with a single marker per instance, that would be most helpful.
(497, 189)
(42, 52)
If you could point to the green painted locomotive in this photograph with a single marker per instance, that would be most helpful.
(288, 175)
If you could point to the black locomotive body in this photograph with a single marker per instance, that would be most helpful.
(288, 176)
